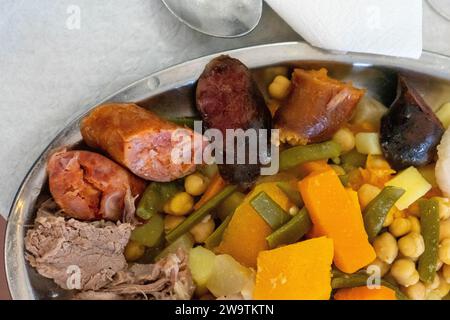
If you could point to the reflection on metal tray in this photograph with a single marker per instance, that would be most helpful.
(171, 93)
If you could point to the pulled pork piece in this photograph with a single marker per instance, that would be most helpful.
(76, 255)
(168, 279)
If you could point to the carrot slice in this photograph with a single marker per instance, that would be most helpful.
(334, 213)
(217, 184)
(364, 293)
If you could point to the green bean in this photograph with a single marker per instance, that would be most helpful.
(291, 192)
(342, 280)
(224, 209)
(429, 226)
(216, 237)
(352, 160)
(199, 214)
(185, 242)
(377, 210)
(292, 231)
(185, 121)
(149, 234)
(154, 198)
(297, 155)
(269, 210)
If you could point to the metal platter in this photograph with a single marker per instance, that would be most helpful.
(171, 93)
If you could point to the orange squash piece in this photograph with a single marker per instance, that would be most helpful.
(336, 215)
(364, 293)
(245, 236)
(300, 271)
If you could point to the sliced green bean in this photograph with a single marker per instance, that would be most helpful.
(149, 234)
(199, 214)
(429, 227)
(224, 209)
(342, 280)
(291, 192)
(352, 160)
(154, 198)
(292, 231)
(297, 155)
(216, 237)
(377, 210)
(269, 210)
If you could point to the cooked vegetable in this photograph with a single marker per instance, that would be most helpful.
(171, 222)
(154, 198)
(208, 170)
(247, 227)
(151, 233)
(228, 277)
(444, 251)
(295, 271)
(134, 251)
(195, 184)
(201, 265)
(201, 231)
(309, 167)
(413, 183)
(416, 291)
(368, 143)
(316, 108)
(443, 163)
(411, 246)
(217, 184)
(269, 210)
(376, 211)
(365, 293)
(368, 115)
(443, 114)
(336, 214)
(180, 204)
(385, 246)
(292, 231)
(410, 131)
(298, 155)
(400, 226)
(280, 87)
(345, 138)
(428, 172)
(291, 190)
(216, 237)
(404, 272)
(226, 208)
(199, 214)
(185, 243)
(352, 160)
(366, 194)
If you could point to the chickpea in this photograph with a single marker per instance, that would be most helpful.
(429, 287)
(195, 184)
(345, 138)
(444, 208)
(203, 230)
(180, 204)
(415, 224)
(411, 245)
(134, 251)
(279, 88)
(294, 210)
(443, 288)
(400, 226)
(383, 266)
(404, 272)
(386, 247)
(367, 193)
(446, 273)
(416, 291)
(444, 251)
(444, 229)
(171, 222)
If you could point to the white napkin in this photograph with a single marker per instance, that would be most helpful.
(389, 27)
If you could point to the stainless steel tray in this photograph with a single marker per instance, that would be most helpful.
(170, 92)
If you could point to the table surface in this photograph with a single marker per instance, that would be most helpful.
(50, 72)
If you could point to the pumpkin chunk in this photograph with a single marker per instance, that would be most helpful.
(300, 271)
(334, 213)
(364, 293)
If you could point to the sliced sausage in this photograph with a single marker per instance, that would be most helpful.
(89, 186)
(139, 140)
(228, 98)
